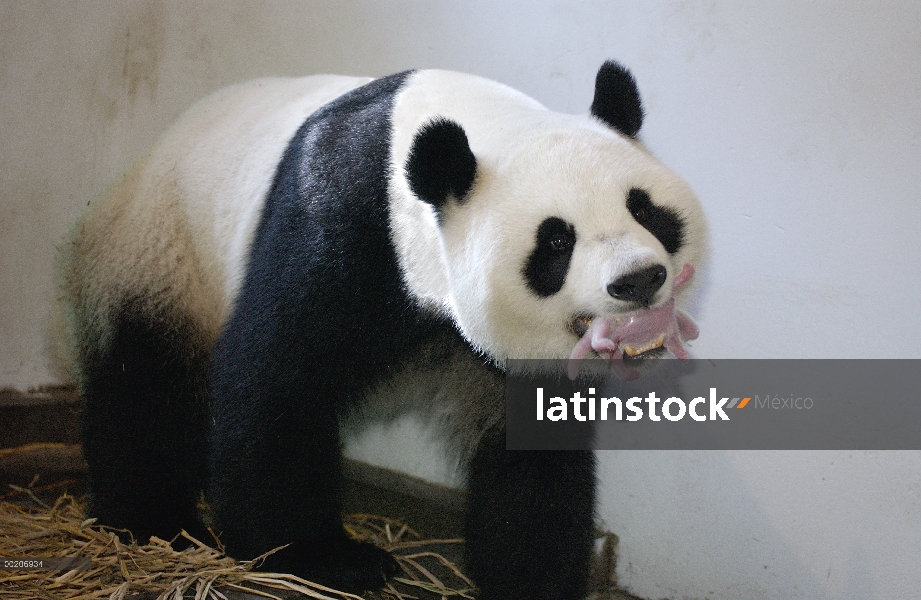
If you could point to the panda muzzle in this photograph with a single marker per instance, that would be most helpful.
(637, 336)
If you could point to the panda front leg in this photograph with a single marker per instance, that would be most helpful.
(529, 521)
(275, 464)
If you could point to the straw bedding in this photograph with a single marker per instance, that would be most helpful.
(201, 571)
(31, 527)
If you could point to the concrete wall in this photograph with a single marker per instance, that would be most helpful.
(798, 124)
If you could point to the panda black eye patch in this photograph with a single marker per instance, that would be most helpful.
(546, 268)
(664, 223)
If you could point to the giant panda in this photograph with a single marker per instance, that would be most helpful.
(293, 249)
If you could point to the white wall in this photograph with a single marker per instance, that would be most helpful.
(798, 124)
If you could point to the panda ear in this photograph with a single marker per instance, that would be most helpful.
(617, 99)
(440, 163)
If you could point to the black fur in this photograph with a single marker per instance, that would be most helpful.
(664, 223)
(547, 266)
(144, 435)
(617, 99)
(529, 521)
(440, 163)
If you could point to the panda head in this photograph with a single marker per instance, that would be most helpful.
(545, 221)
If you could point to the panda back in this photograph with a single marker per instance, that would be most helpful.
(178, 225)
(222, 157)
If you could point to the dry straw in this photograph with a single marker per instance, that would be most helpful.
(200, 571)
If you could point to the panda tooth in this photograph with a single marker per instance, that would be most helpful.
(633, 351)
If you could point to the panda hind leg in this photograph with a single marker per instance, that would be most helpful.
(144, 425)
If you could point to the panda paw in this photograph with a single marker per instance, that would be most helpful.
(343, 564)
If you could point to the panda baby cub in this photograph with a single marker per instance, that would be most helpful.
(292, 249)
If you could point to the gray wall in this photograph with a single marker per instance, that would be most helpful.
(798, 124)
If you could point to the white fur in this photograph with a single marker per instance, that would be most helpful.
(531, 164)
(203, 185)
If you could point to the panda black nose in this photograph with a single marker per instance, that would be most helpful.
(639, 286)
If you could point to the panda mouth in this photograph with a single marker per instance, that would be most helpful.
(630, 350)
(626, 340)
